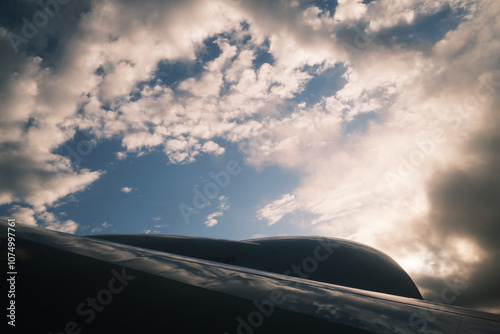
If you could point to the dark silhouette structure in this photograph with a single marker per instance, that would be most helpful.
(167, 284)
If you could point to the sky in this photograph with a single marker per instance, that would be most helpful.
(373, 121)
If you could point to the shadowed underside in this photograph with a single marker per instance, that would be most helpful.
(72, 284)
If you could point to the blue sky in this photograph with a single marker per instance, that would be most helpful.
(372, 121)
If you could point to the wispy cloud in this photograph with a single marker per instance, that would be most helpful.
(101, 227)
(212, 219)
(275, 211)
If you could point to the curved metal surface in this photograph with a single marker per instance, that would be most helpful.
(328, 304)
(328, 260)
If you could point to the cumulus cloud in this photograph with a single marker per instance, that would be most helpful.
(415, 176)
(51, 222)
(31, 130)
(41, 103)
(349, 10)
(126, 190)
(23, 215)
(43, 219)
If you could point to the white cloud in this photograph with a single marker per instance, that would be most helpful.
(101, 227)
(349, 10)
(259, 235)
(160, 226)
(376, 179)
(387, 14)
(52, 223)
(22, 214)
(211, 219)
(121, 155)
(68, 226)
(212, 147)
(126, 190)
(32, 173)
(114, 44)
(277, 209)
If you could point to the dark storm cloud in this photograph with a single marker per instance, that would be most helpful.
(40, 28)
(465, 203)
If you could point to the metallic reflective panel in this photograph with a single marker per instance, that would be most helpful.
(75, 284)
(218, 250)
(471, 325)
(320, 259)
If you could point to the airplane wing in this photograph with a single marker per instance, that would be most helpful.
(61, 283)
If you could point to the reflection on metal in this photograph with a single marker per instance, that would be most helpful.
(326, 260)
(233, 291)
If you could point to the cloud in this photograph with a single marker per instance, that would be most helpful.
(31, 130)
(276, 210)
(211, 219)
(22, 214)
(51, 222)
(68, 226)
(101, 227)
(159, 116)
(349, 10)
(126, 190)
(156, 219)
(43, 219)
(160, 226)
(464, 205)
(410, 165)
(94, 78)
(121, 155)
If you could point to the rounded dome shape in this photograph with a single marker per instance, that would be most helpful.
(328, 260)
(335, 261)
